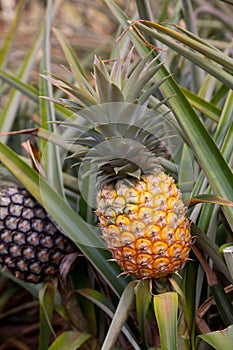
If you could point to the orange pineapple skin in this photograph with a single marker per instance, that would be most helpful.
(145, 225)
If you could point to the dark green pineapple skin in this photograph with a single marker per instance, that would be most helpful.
(31, 246)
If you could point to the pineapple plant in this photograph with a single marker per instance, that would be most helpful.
(139, 207)
(125, 168)
(31, 245)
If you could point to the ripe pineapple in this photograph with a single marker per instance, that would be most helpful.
(140, 210)
(144, 224)
(31, 246)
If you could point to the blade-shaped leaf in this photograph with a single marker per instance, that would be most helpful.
(120, 316)
(206, 50)
(85, 87)
(104, 304)
(9, 112)
(71, 340)
(227, 250)
(206, 151)
(143, 299)
(10, 35)
(220, 339)
(202, 105)
(46, 298)
(72, 224)
(208, 246)
(209, 198)
(51, 160)
(166, 312)
(192, 56)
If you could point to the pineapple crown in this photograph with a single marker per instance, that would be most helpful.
(120, 135)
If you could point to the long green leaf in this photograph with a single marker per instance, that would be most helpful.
(202, 105)
(223, 138)
(17, 83)
(220, 339)
(223, 304)
(31, 92)
(9, 112)
(71, 340)
(51, 160)
(209, 247)
(105, 305)
(225, 127)
(189, 282)
(227, 252)
(11, 33)
(46, 298)
(120, 316)
(192, 56)
(76, 67)
(191, 25)
(84, 235)
(166, 312)
(206, 151)
(216, 169)
(98, 299)
(205, 50)
(31, 288)
(69, 53)
(143, 299)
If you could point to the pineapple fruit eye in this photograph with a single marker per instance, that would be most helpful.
(148, 231)
(31, 246)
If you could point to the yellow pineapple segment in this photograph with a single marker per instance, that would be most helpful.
(145, 225)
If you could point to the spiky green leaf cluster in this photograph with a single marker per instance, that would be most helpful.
(120, 134)
(123, 82)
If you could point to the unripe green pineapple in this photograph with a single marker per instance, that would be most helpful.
(31, 246)
(140, 210)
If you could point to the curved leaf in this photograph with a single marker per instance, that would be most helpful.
(105, 305)
(84, 235)
(213, 69)
(220, 339)
(205, 149)
(120, 316)
(71, 340)
(209, 198)
(205, 50)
